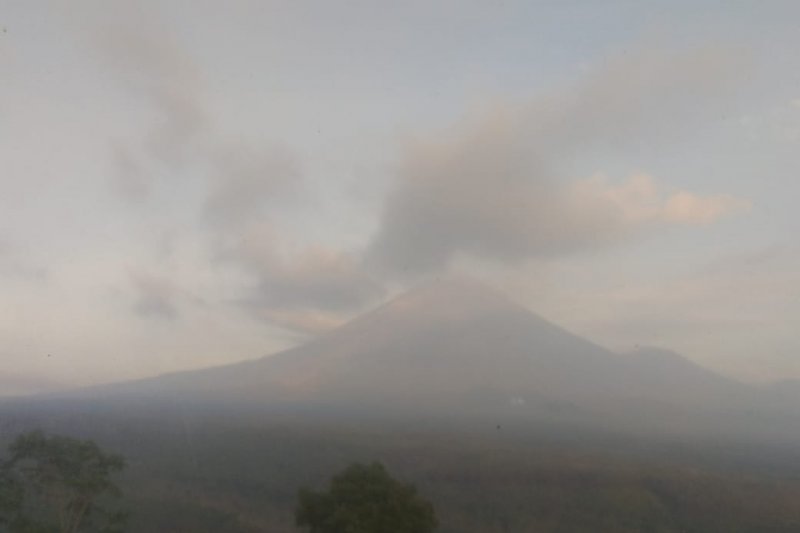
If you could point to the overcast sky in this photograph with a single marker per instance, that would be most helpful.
(191, 183)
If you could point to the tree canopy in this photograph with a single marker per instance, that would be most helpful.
(55, 484)
(365, 499)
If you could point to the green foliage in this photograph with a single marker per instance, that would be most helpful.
(55, 483)
(365, 499)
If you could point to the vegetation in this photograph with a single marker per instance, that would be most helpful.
(56, 484)
(365, 499)
(242, 476)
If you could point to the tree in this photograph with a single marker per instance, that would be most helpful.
(56, 483)
(365, 499)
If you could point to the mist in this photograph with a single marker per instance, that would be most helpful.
(538, 261)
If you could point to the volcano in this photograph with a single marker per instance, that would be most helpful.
(452, 346)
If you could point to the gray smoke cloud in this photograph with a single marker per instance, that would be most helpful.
(152, 67)
(156, 297)
(491, 187)
(307, 290)
(244, 182)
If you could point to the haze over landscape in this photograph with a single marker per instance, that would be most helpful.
(506, 421)
(537, 259)
(459, 349)
(184, 188)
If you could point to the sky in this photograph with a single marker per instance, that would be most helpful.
(187, 184)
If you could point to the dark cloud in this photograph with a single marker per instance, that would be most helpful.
(490, 187)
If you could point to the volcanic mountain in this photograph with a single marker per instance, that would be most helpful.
(446, 346)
